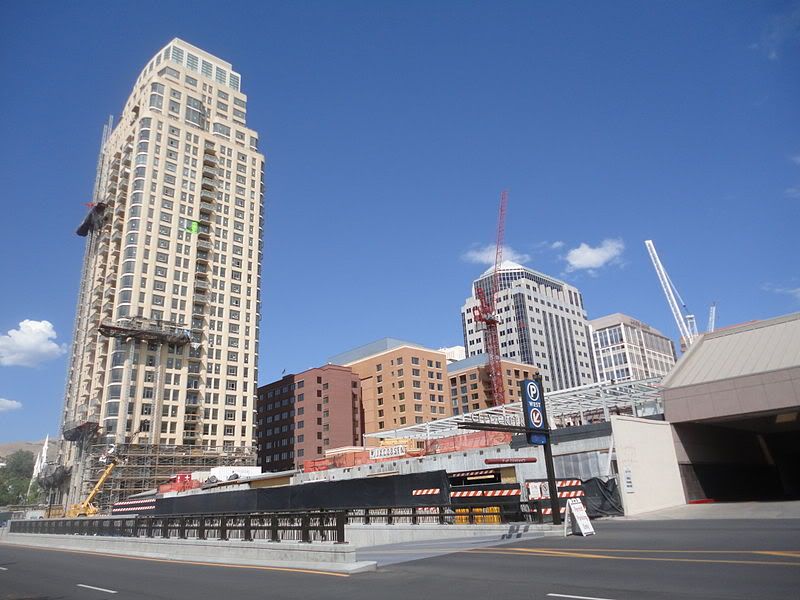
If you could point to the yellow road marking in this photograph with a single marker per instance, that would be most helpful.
(183, 562)
(557, 554)
(788, 552)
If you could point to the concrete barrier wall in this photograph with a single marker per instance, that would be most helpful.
(649, 478)
(378, 535)
(319, 555)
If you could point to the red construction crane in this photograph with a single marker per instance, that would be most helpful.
(486, 312)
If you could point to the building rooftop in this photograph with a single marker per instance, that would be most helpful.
(617, 318)
(748, 349)
(480, 360)
(373, 349)
(509, 265)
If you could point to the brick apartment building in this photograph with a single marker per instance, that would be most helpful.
(401, 383)
(471, 389)
(302, 415)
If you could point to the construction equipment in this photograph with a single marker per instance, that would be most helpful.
(485, 313)
(87, 508)
(687, 324)
(712, 317)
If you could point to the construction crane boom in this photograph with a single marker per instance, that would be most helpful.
(712, 317)
(486, 312)
(687, 325)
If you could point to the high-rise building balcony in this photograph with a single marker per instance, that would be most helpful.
(209, 148)
(204, 231)
(210, 159)
(114, 175)
(208, 183)
(200, 284)
(208, 195)
(202, 257)
(206, 206)
(201, 298)
(204, 217)
(210, 172)
(201, 272)
(205, 245)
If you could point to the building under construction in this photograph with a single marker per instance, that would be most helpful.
(143, 467)
(165, 346)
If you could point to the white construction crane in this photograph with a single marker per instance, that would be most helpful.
(687, 324)
(712, 317)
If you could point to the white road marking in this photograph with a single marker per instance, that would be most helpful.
(578, 597)
(3, 569)
(91, 587)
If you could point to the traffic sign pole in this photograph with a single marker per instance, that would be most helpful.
(534, 411)
(551, 481)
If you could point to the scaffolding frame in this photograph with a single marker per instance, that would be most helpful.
(574, 406)
(143, 467)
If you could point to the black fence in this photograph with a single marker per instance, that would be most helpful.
(304, 526)
(274, 527)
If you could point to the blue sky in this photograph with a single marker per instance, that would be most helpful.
(390, 129)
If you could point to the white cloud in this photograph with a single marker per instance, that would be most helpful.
(29, 345)
(485, 255)
(794, 292)
(557, 245)
(586, 257)
(781, 34)
(9, 405)
(792, 192)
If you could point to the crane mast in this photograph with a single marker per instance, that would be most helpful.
(712, 317)
(486, 312)
(687, 326)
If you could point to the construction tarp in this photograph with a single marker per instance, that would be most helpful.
(602, 497)
(369, 492)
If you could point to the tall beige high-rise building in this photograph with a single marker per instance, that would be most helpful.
(165, 347)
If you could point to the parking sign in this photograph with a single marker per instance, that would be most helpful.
(533, 408)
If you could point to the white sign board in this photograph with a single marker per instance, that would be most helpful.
(387, 451)
(538, 490)
(627, 478)
(576, 517)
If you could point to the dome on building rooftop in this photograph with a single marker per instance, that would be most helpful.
(506, 265)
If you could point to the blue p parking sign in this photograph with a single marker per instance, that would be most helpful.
(533, 408)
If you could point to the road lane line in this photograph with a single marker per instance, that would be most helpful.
(3, 569)
(551, 554)
(91, 587)
(578, 597)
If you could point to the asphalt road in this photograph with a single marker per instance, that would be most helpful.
(624, 561)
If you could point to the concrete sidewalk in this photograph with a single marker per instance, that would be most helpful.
(723, 510)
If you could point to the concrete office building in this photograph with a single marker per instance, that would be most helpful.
(471, 387)
(543, 324)
(165, 348)
(300, 417)
(628, 350)
(401, 383)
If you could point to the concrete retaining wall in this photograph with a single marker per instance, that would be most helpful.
(360, 536)
(319, 556)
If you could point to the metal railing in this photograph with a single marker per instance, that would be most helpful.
(308, 527)
(531, 512)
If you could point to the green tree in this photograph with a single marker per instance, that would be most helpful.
(15, 477)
